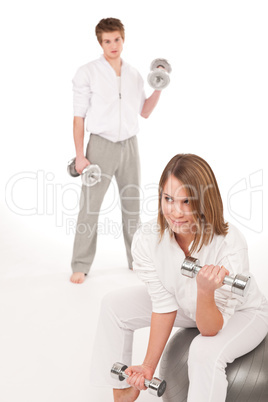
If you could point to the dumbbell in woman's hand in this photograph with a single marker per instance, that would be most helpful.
(91, 175)
(159, 78)
(239, 284)
(156, 386)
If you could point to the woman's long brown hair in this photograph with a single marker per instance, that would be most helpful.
(205, 200)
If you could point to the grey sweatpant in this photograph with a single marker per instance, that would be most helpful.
(119, 159)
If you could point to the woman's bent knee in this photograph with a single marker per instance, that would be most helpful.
(204, 351)
(129, 307)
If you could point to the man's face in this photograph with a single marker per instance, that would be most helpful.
(112, 45)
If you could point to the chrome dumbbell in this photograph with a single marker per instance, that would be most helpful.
(156, 386)
(239, 284)
(91, 175)
(159, 78)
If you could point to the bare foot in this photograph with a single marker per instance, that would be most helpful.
(78, 277)
(126, 395)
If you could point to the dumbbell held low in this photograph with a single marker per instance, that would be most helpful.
(239, 284)
(156, 386)
(91, 175)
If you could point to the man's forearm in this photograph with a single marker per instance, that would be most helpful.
(78, 132)
(150, 104)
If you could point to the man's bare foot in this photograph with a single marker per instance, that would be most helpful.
(78, 277)
(126, 395)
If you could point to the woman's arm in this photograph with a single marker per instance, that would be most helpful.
(161, 326)
(150, 103)
(209, 319)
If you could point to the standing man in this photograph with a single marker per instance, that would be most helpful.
(110, 94)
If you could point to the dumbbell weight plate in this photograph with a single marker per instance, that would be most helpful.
(71, 168)
(158, 79)
(117, 370)
(91, 175)
(158, 387)
(161, 63)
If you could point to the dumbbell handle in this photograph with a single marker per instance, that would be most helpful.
(228, 280)
(239, 283)
(147, 383)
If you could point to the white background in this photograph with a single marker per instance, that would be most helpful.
(215, 106)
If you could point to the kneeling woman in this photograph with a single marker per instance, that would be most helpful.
(190, 222)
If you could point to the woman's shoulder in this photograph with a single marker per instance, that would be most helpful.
(148, 230)
(233, 240)
(235, 236)
(145, 242)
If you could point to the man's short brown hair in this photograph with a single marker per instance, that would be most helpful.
(109, 25)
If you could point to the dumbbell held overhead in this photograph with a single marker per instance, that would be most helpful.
(156, 386)
(91, 175)
(239, 284)
(159, 78)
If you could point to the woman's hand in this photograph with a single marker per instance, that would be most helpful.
(209, 319)
(137, 376)
(81, 163)
(210, 278)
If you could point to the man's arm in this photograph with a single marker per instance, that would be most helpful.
(150, 104)
(78, 132)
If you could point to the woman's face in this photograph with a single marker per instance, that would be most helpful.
(176, 207)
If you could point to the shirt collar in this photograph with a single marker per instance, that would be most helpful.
(102, 58)
(174, 241)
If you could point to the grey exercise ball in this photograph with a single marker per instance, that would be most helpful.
(247, 376)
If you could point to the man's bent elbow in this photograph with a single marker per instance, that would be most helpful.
(145, 115)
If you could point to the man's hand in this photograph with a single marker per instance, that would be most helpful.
(81, 163)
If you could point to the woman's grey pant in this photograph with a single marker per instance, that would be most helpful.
(119, 159)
